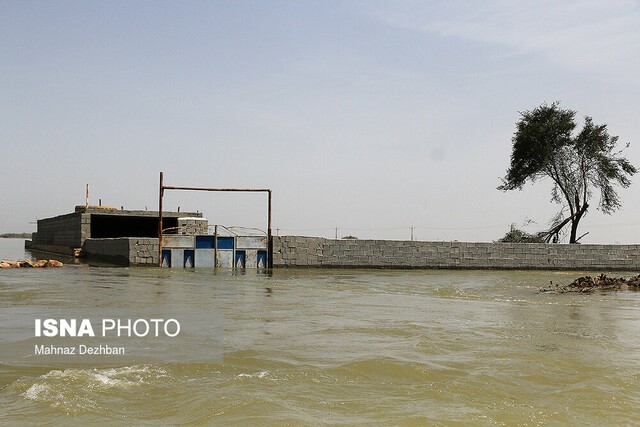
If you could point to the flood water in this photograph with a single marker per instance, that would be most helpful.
(339, 347)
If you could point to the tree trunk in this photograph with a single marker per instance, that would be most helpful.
(574, 223)
(574, 229)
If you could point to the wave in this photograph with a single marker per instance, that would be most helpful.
(77, 391)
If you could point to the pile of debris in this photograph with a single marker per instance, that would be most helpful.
(588, 284)
(42, 263)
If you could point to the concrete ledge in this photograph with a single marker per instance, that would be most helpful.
(54, 249)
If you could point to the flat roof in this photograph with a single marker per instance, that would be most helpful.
(110, 210)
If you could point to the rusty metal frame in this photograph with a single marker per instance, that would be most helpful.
(252, 190)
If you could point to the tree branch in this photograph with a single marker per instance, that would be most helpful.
(578, 239)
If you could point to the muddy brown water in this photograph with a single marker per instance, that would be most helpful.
(336, 347)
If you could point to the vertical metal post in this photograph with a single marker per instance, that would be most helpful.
(215, 246)
(269, 236)
(233, 252)
(160, 220)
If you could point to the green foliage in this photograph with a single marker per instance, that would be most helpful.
(544, 145)
(515, 235)
(540, 135)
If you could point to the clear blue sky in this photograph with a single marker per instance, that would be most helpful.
(370, 116)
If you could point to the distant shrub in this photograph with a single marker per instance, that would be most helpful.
(515, 235)
(15, 235)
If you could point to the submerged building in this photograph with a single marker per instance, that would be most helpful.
(130, 238)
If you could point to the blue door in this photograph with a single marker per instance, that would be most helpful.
(166, 258)
(189, 256)
(262, 259)
(240, 259)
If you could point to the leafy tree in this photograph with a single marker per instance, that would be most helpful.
(545, 146)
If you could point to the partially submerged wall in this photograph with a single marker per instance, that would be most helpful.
(126, 251)
(297, 251)
(180, 251)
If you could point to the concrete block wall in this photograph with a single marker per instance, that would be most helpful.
(295, 251)
(127, 251)
(191, 226)
(143, 251)
(85, 226)
(65, 230)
